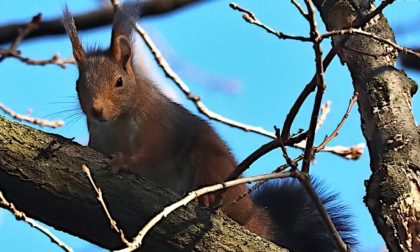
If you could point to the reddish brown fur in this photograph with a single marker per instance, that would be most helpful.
(148, 134)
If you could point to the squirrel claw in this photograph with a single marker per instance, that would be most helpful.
(117, 163)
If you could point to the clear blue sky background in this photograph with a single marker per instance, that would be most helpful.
(241, 72)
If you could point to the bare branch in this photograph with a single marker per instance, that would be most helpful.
(55, 60)
(309, 88)
(379, 9)
(137, 241)
(104, 207)
(27, 118)
(352, 152)
(196, 99)
(59, 186)
(320, 84)
(22, 216)
(373, 36)
(23, 32)
(388, 126)
(300, 9)
(92, 19)
(254, 156)
(325, 109)
(261, 182)
(252, 19)
(335, 133)
(305, 181)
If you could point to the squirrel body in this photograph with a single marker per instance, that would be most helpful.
(149, 135)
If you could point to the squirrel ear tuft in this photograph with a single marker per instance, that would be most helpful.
(70, 26)
(122, 51)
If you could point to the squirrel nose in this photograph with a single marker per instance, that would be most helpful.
(97, 112)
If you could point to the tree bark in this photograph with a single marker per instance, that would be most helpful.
(387, 122)
(48, 184)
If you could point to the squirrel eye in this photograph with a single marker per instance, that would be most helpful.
(119, 82)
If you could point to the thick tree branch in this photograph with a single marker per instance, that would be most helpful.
(49, 185)
(388, 124)
(90, 20)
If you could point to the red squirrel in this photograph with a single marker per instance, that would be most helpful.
(151, 136)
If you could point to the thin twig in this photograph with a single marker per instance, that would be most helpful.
(370, 35)
(261, 182)
(27, 118)
(196, 99)
(137, 241)
(309, 88)
(300, 9)
(104, 207)
(12, 52)
(320, 84)
(337, 129)
(252, 19)
(378, 10)
(185, 89)
(94, 19)
(22, 216)
(54, 60)
(352, 152)
(325, 109)
(305, 181)
(289, 161)
(254, 156)
(23, 32)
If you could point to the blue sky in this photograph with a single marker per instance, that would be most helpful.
(239, 70)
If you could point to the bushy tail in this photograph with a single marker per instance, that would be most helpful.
(125, 19)
(297, 225)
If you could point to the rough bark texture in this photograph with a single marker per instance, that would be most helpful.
(387, 122)
(51, 187)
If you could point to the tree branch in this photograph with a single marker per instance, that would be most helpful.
(53, 189)
(90, 20)
(387, 121)
(22, 216)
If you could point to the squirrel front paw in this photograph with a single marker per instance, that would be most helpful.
(118, 162)
(207, 199)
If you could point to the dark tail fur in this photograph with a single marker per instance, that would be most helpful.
(297, 225)
(125, 19)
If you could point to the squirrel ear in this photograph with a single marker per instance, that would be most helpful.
(122, 52)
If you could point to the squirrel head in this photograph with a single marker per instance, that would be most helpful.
(107, 85)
